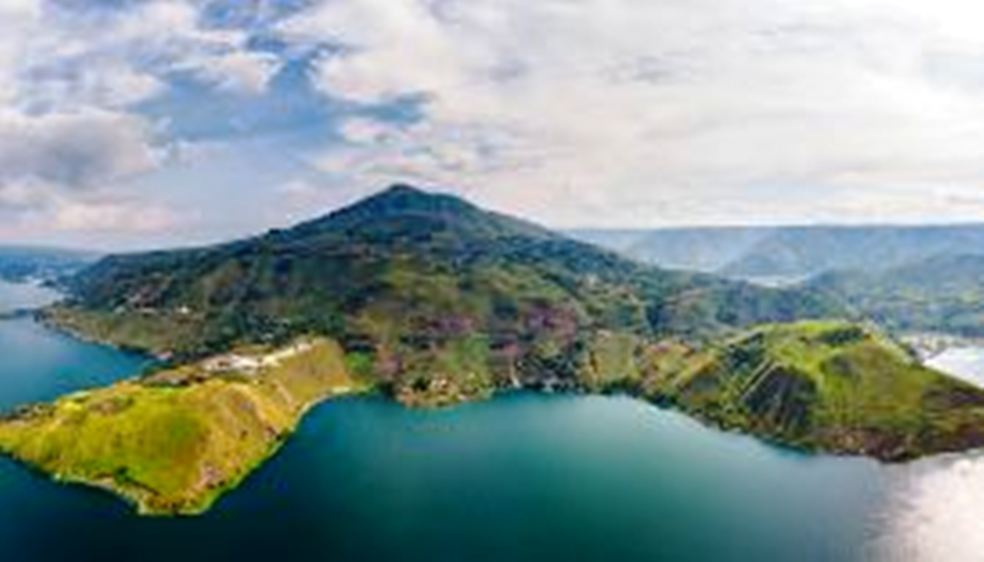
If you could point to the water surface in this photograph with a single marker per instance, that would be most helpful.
(522, 477)
(965, 362)
(14, 296)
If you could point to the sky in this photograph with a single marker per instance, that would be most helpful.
(129, 124)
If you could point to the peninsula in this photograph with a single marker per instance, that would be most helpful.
(172, 442)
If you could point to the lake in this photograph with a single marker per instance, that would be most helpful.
(965, 361)
(14, 296)
(522, 477)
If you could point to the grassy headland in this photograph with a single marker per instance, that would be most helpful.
(829, 386)
(174, 441)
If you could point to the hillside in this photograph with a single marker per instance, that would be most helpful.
(446, 300)
(943, 293)
(173, 442)
(828, 386)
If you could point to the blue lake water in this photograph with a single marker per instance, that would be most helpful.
(521, 477)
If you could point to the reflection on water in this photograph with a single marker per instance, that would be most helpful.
(24, 295)
(935, 511)
(965, 362)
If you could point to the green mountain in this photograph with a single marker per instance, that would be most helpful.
(444, 300)
(944, 293)
(438, 302)
(830, 386)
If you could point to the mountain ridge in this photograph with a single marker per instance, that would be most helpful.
(406, 275)
(794, 251)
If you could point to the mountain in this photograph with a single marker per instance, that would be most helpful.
(437, 302)
(943, 293)
(705, 249)
(444, 300)
(25, 263)
(828, 386)
(812, 250)
(792, 252)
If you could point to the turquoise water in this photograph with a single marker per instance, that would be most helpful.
(525, 477)
(522, 477)
(38, 364)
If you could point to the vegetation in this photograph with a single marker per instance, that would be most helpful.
(831, 386)
(941, 294)
(172, 442)
(438, 302)
(450, 301)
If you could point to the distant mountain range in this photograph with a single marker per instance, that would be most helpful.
(943, 293)
(25, 263)
(790, 252)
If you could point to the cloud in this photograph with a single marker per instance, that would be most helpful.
(640, 112)
(79, 151)
(72, 135)
(112, 216)
(133, 48)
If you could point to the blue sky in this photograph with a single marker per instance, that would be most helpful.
(146, 123)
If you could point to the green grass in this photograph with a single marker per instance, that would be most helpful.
(828, 385)
(173, 442)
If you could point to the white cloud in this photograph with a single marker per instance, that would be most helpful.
(80, 150)
(676, 111)
(71, 137)
(111, 216)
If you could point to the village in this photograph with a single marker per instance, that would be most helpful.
(251, 364)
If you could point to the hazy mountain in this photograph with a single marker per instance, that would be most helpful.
(22, 263)
(695, 249)
(941, 293)
(831, 386)
(793, 252)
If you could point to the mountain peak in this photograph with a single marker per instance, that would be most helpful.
(400, 199)
(403, 190)
(403, 210)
